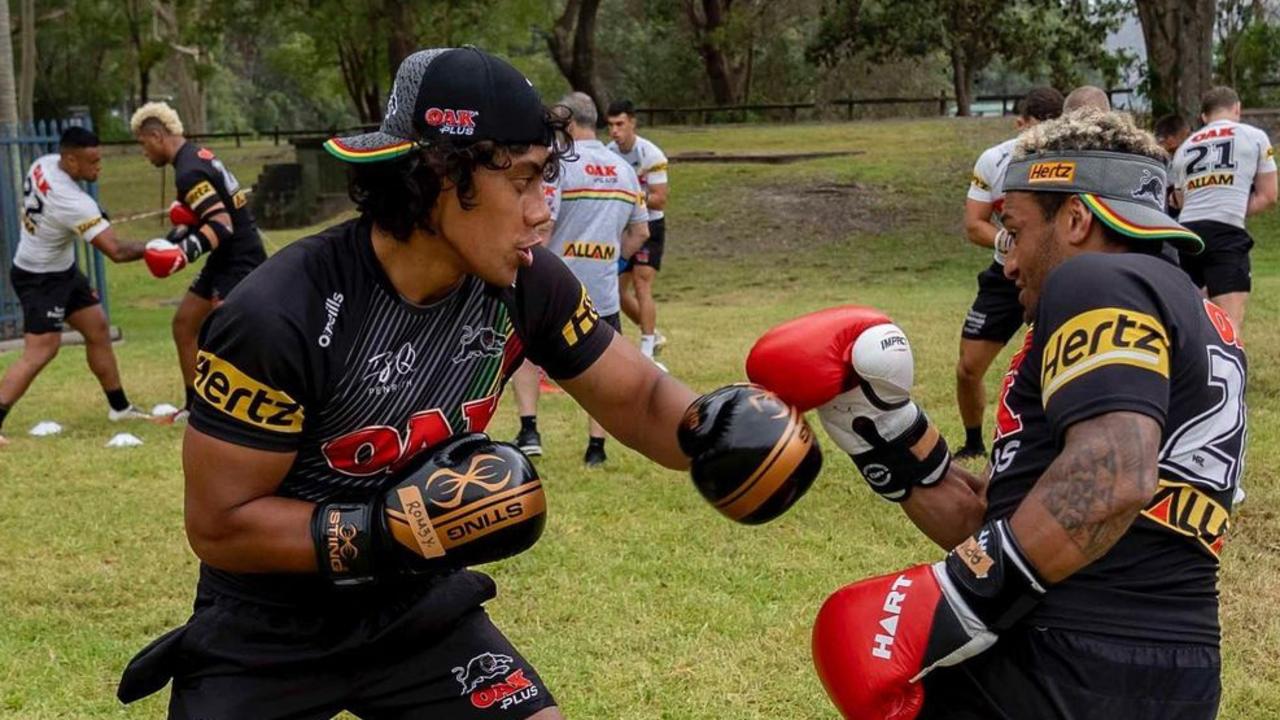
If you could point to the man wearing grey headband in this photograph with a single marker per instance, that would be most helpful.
(1119, 442)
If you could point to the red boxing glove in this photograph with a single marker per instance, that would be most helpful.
(805, 361)
(874, 640)
(180, 214)
(163, 258)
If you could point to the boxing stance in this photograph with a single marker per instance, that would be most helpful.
(1083, 585)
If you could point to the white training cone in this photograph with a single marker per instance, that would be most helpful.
(163, 410)
(124, 440)
(46, 427)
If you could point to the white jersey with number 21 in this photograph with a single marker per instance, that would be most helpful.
(1215, 168)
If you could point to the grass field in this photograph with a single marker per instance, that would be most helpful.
(640, 601)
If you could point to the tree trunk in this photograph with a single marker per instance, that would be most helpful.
(8, 92)
(572, 42)
(961, 81)
(721, 75)
(401, 38)
(27, 77)
(1179, 40)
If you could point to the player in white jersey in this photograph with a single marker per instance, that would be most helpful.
(641, 271)
(598, 217)
(995, 314)
(56, 212)
(1224, 172)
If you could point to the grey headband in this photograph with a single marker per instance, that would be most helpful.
(1125, 191)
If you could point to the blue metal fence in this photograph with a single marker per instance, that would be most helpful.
(17, 151)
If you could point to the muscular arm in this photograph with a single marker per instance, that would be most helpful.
(118, 250)
(234, 521)
(635, 401)
(1263, 195)
(633, 237)
(215, 213)
(1091, 493)
(951, 510)
(978, 227)
(656, 198)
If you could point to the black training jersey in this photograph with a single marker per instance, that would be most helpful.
(316, 353)
(1129, 332)
(202, 180)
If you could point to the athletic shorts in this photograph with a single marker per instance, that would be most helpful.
(996, 314)
(614, 321)
(651, 252)
(1223, 267)
(1050, 674)
(221, 273)
(239, 659)
(48, 298)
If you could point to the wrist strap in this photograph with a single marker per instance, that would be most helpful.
(994, 578)
(193, 245)
(919, 456)
(343, 537)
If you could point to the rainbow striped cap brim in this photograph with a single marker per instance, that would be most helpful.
(1125, 191)
(369, 147)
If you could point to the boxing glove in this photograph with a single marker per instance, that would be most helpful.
(855, 366)
(874, 640)
(466, 501)
(182, 218)
(752, 455)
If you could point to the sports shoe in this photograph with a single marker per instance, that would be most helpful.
(529, 442)
(658, 340)
(129, 413)
(661, 367)
(594, 456)
(968, 452)
(177, 417)
(3, 441)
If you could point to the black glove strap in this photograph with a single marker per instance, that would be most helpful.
(343, 537)
(893, 467)
(994, 577)
(193, 245)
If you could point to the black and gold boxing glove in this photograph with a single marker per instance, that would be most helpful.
(753, 455)
(466, 501)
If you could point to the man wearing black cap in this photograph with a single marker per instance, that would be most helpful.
(1089, 586)
(345, 360)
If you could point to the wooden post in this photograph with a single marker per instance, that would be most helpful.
(277, 134)
(942, 103)
(237, 134)
(162, 217)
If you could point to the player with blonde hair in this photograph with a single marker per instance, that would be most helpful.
(211, 217)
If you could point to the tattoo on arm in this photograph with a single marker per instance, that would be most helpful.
(1104, 477)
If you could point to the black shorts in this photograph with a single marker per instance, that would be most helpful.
(1049, 674)
(1223, 267)
(48, 298)
(221, 273)
(650, 253)
(421, 658)
(614, 321)
(996, 314)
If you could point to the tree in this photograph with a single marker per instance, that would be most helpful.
(573, 48)
(27, 76)
(8, 91)
(1179, 39)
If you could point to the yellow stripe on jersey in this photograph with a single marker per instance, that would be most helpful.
(625, 196)
(201, 190)
(230, 390)
(656, 168)
(980, 183)
(1097, 338)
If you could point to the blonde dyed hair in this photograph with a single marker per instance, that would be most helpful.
(1089, 129)
(160, 112)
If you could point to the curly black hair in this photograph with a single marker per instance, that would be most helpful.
(399, 195)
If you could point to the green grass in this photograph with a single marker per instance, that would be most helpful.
(639, 602)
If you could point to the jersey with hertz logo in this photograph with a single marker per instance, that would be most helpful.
(1129, 332)
(316, 353)
(202, 181)
(1214, 170)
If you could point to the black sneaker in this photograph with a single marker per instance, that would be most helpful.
(594, 456)
(529, 442)
(970, 451)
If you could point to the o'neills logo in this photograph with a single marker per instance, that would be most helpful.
(1058, 171)
(452, 122)
(338, 537)
(331, 308)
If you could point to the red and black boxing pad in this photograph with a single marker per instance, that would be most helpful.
(753, 455)
(806, 360)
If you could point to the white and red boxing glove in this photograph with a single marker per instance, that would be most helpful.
(855, 366)
(163, 258)
(874, 640)
(181, 216)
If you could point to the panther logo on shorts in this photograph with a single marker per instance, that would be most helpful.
(481, 668)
